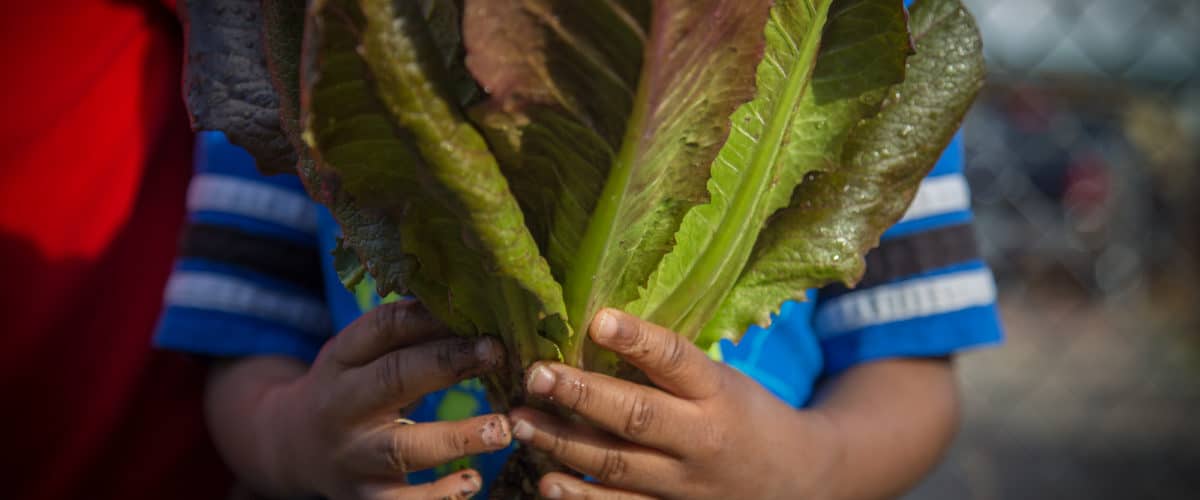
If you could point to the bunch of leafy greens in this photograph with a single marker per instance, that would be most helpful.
(519, 164)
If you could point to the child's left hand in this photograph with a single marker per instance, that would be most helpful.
(706, 431)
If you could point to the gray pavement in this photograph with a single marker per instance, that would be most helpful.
(1087, 399)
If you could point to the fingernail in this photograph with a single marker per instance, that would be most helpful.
(476, 485)
(606, 328)
(473, 479)
(495, 433)
(488, 351)
(522, 430)
(553, 490)
(541, 380)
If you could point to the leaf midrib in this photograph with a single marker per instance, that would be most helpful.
(752, 192)
(597, 238)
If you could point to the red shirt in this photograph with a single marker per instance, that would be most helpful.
(94, 165)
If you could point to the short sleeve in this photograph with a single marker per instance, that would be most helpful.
(926, 291)
(247, 280)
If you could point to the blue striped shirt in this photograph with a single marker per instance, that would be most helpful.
(224, 300)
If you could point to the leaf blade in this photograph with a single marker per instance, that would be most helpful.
(385, 128)
(226, 81)
(690, 83)
(827, 66)
(560, 77)
(835, 219)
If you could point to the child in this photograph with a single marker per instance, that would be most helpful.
(291, 422)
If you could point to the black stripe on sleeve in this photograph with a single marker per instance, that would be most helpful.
(274, 257)
(914, 254)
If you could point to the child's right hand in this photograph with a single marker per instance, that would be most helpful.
(338, 430)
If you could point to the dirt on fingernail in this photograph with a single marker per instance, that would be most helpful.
(496, 432)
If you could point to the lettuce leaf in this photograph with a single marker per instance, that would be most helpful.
(692, 78)
(838, 215)
(817, 80)
(379, 117)
(561, 78)
(226, 81)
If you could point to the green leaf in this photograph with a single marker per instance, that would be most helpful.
(560, 78)
(692, 78)
(838, 216)
(369, 229)
(227, 84)
(816, 81)
(382, 124)
(556, 168)
(371, 241)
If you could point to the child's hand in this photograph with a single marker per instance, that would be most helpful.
(707, 431)
(339, 432)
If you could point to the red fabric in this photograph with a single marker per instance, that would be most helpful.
(94, 163)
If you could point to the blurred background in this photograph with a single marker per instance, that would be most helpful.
(1083, 153)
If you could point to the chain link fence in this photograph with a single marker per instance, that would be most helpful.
(1083, 158)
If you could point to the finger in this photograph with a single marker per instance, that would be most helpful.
(635, 412)
(591, 452)
(385, 328)
(396, 449)
(400, 377)
(557, 485)
(458, 486)
(671, 361)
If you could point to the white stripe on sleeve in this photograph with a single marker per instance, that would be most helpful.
(939, 195)
(217, 292)
(906, 300)
(256, 200)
